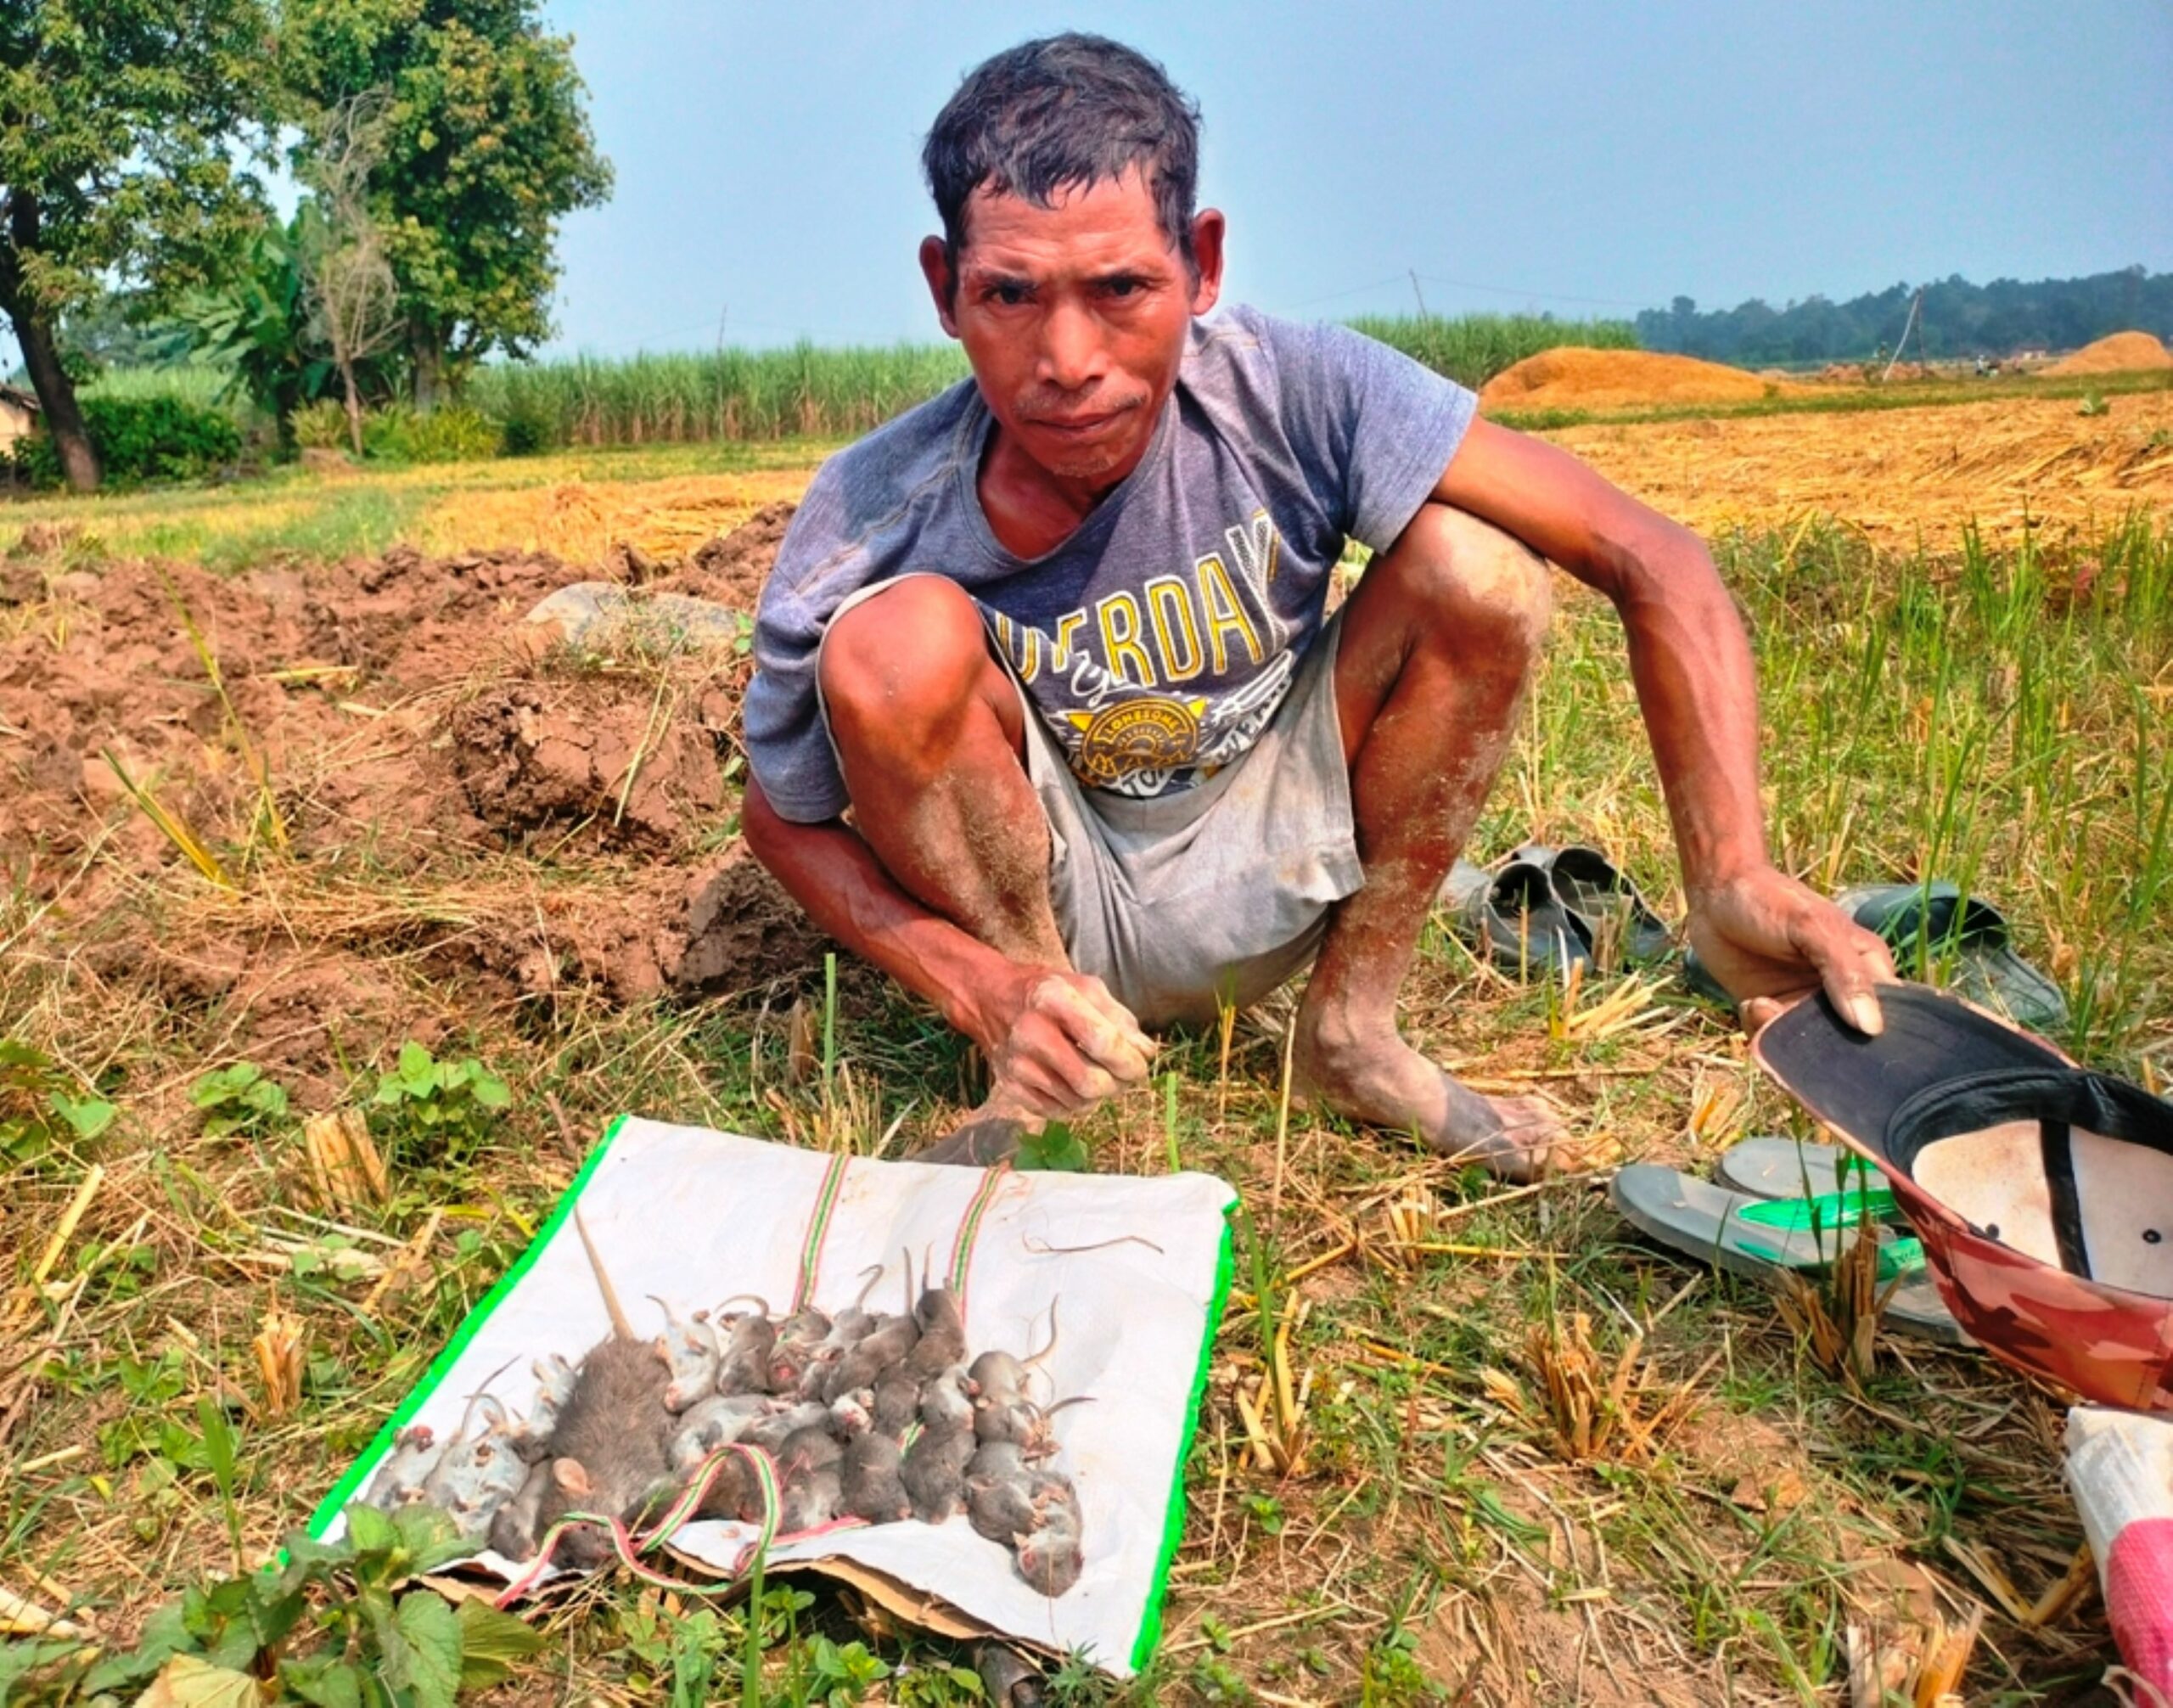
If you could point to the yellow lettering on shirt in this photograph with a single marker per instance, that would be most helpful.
(1119, 618)
(1177, 632)
(1225, 613)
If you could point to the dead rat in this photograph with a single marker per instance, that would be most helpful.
(513, 1529)
(400, 1480)
(871, 1480)
(714, 1422)
(749, 1344)
(689, 1347)
(794, 1367)
(933, 1470)
(480, 1475)
(942, 1340)
(770, 1431)
(1000, 1493)
(893, 1403)
(810, 1480)
(851, 1325)
(1001, 1378)
(1052, 1553)
(1023, 1423)
(609, 1453)
(531, 1436)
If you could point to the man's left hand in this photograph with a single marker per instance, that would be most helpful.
(1770, 941)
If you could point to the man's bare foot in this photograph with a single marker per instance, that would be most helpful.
(1383, 1082)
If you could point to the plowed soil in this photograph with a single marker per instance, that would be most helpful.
(503, 815)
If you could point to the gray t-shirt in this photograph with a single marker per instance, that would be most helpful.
(1159, 638)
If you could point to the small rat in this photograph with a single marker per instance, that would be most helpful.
(942, 1340)
(933, 1469)
(850, 1414)
(770, 1431)
(999, 1493)
(1023, 1423)
(749, 1344)
(810, 1503)
(689, 1347)
(793, 1362)
(609, 1453)
(714, 1422)
(871, 1480)
(406, 1469)
(1001, 1378)
(479, 1474)
(890, 1341)
(1051, 1555)
(851, 1325)
(513, 1529)
(531, 1436)
(734, 1492)
(893, 1403)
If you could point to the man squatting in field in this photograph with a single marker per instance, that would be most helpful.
(1058, 639)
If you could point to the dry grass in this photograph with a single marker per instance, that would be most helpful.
(1658, 1495)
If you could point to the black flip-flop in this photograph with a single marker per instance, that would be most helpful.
(1925, 923)
(1746, 1235)
(1519, 920)
(1599, 896)
(1770, 1166)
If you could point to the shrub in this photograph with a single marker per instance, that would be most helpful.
(140, 439)
(320, 426)
(452, 435)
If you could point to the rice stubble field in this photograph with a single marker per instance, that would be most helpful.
(293, 789)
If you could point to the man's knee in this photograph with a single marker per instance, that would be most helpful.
(1484, 593)
(910, 657)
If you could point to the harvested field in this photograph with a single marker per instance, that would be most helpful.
(423, 821)
(1899, 474)
(1575, 378)
(2121, 352)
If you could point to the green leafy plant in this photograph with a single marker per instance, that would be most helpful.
(1055, 1149)
(39, 1107)
(140, 440)
(447, 1107)
(240, 1099)
(841, 1675)
(455, 435)
(331, 1629)
(321, 426)
(2094, 403)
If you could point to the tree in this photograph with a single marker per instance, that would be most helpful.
(354, 300)
(120, 121)
(485, 146)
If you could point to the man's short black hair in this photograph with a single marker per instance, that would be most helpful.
(1061, 113)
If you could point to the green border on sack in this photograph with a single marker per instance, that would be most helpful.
(1173, 1527)
(344, 1490)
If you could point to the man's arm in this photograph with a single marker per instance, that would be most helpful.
(1765, 937)
(1055, 1040)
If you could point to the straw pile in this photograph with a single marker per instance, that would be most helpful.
(2122, 352)
(1577, 378)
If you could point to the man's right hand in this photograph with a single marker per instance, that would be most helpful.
(1056, 1042)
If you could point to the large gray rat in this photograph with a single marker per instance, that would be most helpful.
(609, 1454)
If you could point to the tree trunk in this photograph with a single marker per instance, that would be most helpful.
(56, 393)
(354, 409)
(426, 351)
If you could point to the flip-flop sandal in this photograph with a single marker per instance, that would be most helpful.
(1519, 920)
(1934, 918)
(1594, 891)
(1699, 978)
(982, 1143)
(1761, 1237)
(1770, 1166)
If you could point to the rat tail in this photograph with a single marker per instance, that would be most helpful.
(874, 1273)
(620, 1324)
(1051, 1347)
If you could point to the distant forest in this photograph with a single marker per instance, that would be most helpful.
(1959, 320)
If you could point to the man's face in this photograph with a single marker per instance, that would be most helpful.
(1073, 318)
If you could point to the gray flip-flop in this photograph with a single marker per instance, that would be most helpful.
(1748, 1235)
(1931, 921)
(1519, 920)
(1594, 892)
(978, 1143)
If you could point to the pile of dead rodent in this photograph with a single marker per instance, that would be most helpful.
(868, 1416)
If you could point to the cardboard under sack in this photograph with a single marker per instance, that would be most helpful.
(695, 1216)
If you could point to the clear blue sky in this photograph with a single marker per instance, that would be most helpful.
(1577, 156)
